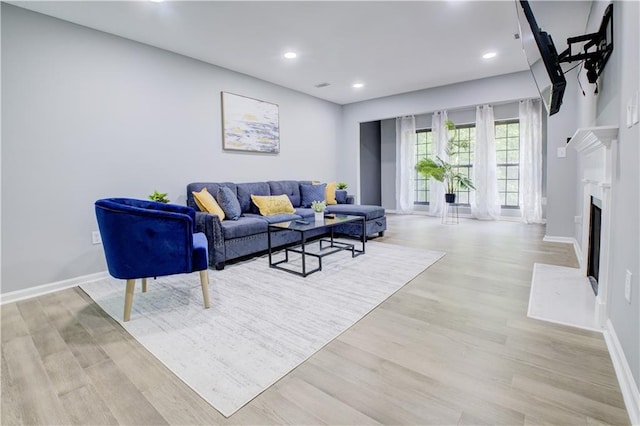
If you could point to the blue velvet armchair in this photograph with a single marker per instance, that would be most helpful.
(144, 239)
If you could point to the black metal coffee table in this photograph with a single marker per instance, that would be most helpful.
(331, 246)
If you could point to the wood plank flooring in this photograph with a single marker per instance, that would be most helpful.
(454, 346)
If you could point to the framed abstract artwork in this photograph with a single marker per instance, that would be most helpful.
(249, 124)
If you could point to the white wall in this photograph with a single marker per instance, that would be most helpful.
(88, 115)
(494, 90)
(618, 83)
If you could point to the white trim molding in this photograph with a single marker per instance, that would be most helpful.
(628, 385)
(15, 296)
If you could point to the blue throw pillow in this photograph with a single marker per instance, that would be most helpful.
(311, 193)
(229, 203)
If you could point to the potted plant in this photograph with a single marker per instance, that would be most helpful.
(318, 207)
(341, 192)
(445, 171)
(160, 197)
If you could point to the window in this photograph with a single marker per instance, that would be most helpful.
(462, 158)
(507, 134)
(424, 148)
(508, 161)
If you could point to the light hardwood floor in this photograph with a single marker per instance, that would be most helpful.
(454, 346)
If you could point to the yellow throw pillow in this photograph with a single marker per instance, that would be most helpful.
(330, 193)
(206, 203)
(272, 204)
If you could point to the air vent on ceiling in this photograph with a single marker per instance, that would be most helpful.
(322, 85)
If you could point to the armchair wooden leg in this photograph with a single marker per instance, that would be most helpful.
(144, 285)
(204, 280)
(128, 299)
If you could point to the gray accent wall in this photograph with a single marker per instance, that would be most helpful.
(87, 115)
(388, 163)
(370, 163)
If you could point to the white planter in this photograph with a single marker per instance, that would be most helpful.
(319, 216)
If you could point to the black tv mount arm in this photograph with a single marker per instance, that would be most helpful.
(594, 61)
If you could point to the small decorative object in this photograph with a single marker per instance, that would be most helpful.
(341, 185)
(318, 207)
(159, 197)
(249, 124)
(445, 171)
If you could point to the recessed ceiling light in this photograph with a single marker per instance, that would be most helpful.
(290, 55)
(156, 1)
(358, 85)
(489, 55)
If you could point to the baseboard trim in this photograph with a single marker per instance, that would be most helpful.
(566, 240)
(15, 296)
(627, 383)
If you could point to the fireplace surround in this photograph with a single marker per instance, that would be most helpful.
(596, 147)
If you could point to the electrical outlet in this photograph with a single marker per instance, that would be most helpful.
(627, 286)
(96, 238)
(562, 152)
(577, 220)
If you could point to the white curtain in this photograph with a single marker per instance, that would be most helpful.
(405, 163)
(531, 161)
(440, 140)
(485, 201)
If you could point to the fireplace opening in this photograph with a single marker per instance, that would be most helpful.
(593, 259)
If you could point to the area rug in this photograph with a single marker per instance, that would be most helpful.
(262, 322)
(562, 295)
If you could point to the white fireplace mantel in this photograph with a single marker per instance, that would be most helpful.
(588, 139)
(596, 150)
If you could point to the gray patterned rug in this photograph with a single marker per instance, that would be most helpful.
(262, 322)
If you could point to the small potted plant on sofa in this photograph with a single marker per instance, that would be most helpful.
(160, 197)
(318, 208)
(445, 171)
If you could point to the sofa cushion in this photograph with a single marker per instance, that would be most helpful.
(290, 188)
(269, 205)
(311, 193)
(229, 203)
(243, 227)
(245, 190)
(305, 212)
(369, 212)
(276, 218)
(206, 203)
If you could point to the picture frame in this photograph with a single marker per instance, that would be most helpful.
(249, 124)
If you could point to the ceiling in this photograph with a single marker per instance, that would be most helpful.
(390, 46)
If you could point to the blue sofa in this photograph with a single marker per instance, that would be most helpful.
(233, 239)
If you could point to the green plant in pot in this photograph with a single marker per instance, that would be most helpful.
(160, 197)
(445, 171)
(341, 185)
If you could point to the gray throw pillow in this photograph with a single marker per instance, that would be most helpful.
(229, 203)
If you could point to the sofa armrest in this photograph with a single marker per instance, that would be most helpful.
(211, 226)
